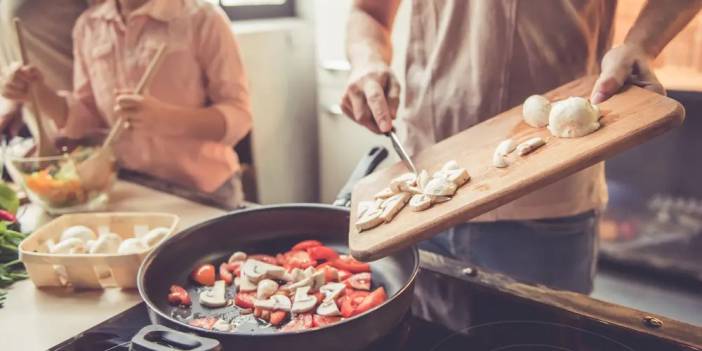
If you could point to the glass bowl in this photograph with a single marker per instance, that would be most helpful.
(58, 183)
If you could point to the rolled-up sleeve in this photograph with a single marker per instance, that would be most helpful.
(226, 81)
(83, 115)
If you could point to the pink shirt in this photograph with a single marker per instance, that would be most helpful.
(201, 67)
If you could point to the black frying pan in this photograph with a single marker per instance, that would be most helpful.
(271, 229)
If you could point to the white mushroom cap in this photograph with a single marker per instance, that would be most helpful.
(131, 245)
(256, 270)
(440, 186)
(244, 284)
(237, 256)
(420, 202)
(214, 297)
(275, 302)
(266, 288)
(332, 290)
(573, 117)
(68, 246)
(536, 110)
(303, 302)
(78, 231)
(328, 308)
(106, 244)
(403, 182)
(155, 236)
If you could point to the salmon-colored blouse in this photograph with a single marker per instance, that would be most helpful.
(201, 67)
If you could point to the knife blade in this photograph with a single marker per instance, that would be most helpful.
(404, 156)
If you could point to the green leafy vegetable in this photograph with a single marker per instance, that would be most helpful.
(8, 199)
(11, 269)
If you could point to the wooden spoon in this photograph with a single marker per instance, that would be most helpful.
(96, 171)
(44, 146)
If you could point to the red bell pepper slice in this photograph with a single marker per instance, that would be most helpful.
(322, 253)
(373, 299)
(264, 258)
(299, 259)
(244, 300)
(322, 321)
(348, 263)
(179, 296)
(305, 244)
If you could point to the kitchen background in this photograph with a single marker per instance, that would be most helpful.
(297, 70)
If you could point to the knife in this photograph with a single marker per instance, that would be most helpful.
(404, 156)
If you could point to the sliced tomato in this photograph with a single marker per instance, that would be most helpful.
(225, 274)
(305, 244)
(321, 321)
(331, 274)
(277, 317)
(204, 275)
(322, 253)
(359, 281)
(264, 258)
(178, 296)
(373, 299)
(244, 300)
(343, 275)
(348, 263)
(235, 267)
(205, 323)
(347, 306)
(299, 259)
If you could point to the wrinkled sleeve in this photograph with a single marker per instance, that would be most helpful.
(226, 81)
(83, 114)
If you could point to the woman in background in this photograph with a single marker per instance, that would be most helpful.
(197, 106)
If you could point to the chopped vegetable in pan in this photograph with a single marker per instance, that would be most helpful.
(310, 286)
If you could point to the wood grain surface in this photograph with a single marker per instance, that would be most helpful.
(629, 119)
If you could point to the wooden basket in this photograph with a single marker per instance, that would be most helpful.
(92, 271)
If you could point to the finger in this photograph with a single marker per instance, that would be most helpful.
(378, 105)
(129, 101)
(393, 96)
(647, 79)
(361, 113)
(610, 81)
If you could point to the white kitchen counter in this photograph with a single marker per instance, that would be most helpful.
(37, 319)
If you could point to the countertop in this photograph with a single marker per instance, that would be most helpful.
(37, 319)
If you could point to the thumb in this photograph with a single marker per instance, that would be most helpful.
(612, 78)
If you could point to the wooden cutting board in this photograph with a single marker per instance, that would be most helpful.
(629, 119)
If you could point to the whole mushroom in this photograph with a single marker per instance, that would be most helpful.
(573, 117)
(536, 111)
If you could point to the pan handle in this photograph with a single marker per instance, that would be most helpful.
(366, 166)
(161, 338)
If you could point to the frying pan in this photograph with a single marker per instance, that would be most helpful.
(269, 229)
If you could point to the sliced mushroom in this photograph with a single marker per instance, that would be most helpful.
(244, 284)
(78, 231)
(214, 297)
(332, 290)
(369, 220)
(499, 160)
(302, 302)
(365, 206)
(266, 288)
(275, 302)
(384, 194)
(130, 246)
(155, 236)
(422, 179)
(222, 325)
(295, 275)
(68, 246)
(237, 256)
(457, 176)
(505, 147)
(318, 280)
(106, 244)
(403, 182)
(420, 202)
(529, 146)
(328, 308)
(256, 270)
(440, 186)
(393, 205)
(450, 166)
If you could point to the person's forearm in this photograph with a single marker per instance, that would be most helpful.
(206, 123)
(659, 22)
(369, 29)
(51, 104)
